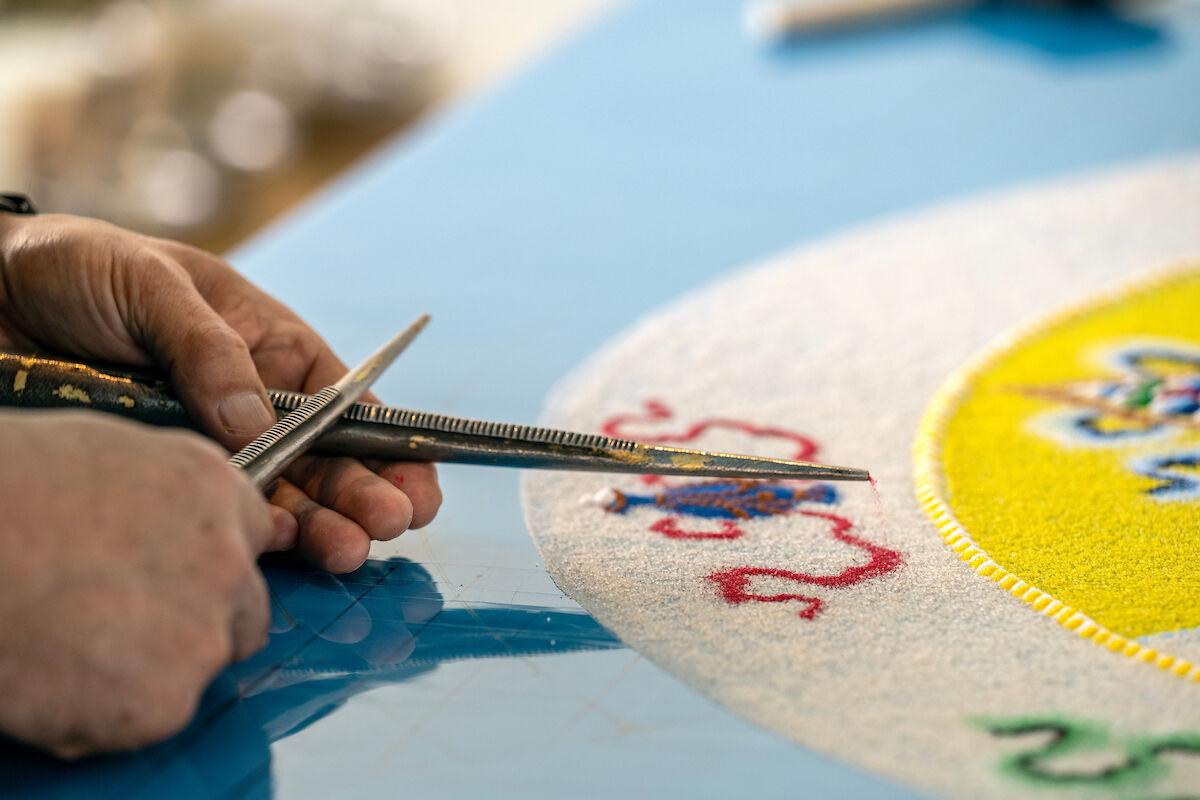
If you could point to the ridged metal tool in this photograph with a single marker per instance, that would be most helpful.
(266, 458)
(395, 434)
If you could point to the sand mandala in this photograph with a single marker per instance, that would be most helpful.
(1016, 612)
(1064, 464)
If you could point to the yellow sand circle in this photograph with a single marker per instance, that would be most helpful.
(1073, 517)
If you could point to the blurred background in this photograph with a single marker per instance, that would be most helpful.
(202, 120)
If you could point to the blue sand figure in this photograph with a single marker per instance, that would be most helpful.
(727, 499)
(1164, 401)
(1137, 359)
(1090, 426)
(332, 637)
(1178, 475)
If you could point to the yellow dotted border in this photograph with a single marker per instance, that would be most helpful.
(930, 483)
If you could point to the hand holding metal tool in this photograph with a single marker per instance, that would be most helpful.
(265, 458)
(365, 430)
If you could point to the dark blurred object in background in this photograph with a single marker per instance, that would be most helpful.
(201, 120)
(166, 109)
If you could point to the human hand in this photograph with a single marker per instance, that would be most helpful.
(93, 290)
(129, 577)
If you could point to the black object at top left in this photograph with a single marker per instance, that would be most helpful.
(16, 203)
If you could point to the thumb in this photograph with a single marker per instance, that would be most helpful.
(209, 363)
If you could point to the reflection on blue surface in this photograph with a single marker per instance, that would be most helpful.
(332, 638)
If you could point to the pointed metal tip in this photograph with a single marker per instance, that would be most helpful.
(660, 460)
(784, 469)
(851, 473)
(362, 376)
(826, 472)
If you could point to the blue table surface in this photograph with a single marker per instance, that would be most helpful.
(653, 151)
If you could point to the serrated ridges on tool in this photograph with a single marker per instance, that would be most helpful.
(443, 423)
(303, 410)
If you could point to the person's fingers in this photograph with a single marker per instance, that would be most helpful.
(419, 482)
(291, 355)
(251, 617)
(326, 368)
(287, 530)
(327, 539)
(305, 364)
(209, 363)
(252, 612)
(283, 347)
(263, 525)
(349, 488)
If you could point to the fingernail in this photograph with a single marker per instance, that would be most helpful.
(244, 413)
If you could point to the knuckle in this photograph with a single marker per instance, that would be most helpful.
(190, 459)
(70, 732)
(134, 714)
(213, 335)
(166, 714)
(208, 465)
(204, 453)
(144, 272)
(212, 465)
(209, 649)
(229, 563)
(255, 631)
(72, 748)
(80, 734)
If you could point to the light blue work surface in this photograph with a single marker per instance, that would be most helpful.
(652, 152)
